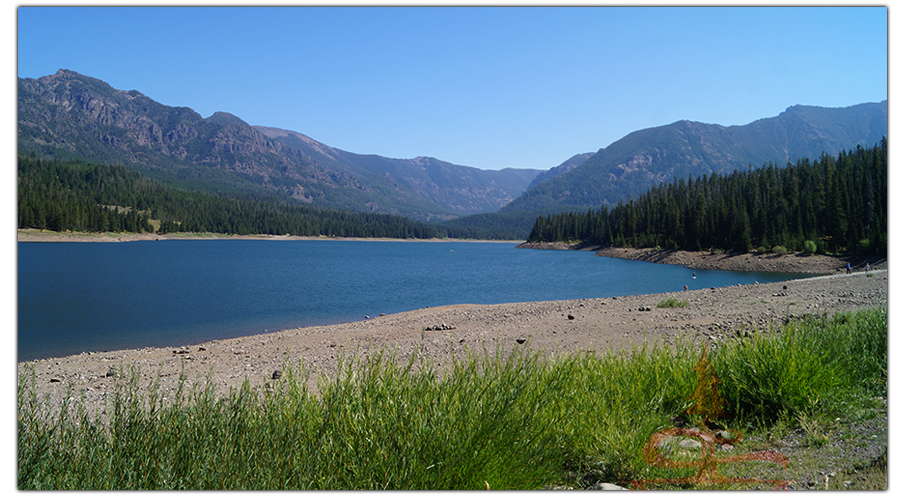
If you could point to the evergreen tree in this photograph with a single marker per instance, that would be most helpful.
(837, 205)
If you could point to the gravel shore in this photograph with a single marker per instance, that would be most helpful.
(597, 325)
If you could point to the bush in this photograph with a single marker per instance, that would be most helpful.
(809, 247)
(672, 302)
(780, 250)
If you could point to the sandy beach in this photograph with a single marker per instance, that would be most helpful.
(596, 325)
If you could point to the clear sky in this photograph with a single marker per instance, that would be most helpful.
(485, 87)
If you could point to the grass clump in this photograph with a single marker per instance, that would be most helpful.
(502, 420)
(376, 425)
(814, 364)
(672, 302)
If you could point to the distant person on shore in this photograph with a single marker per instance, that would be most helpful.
(867, 267)
(848, 268)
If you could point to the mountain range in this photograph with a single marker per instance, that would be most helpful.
(69, 115)
(642, 159)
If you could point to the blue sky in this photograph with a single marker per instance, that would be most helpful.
(485, 87)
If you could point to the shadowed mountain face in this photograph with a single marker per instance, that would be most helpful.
(633, 164)
(74, 116)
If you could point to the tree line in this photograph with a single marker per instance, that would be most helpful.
(77, 196)
(826, 205)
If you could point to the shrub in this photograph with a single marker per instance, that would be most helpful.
(809, 247)
(672, 302)
(779, 249)
(864, 245)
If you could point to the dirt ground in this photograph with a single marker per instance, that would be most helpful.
(597, 325)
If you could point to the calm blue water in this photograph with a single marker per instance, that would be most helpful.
(76, 297)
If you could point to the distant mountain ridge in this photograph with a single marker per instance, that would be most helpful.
(428, 178)
(560, 169)
(641, 159)
(72, 115)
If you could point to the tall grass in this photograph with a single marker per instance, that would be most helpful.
(614, 403)
(501, 420)
(812, 364)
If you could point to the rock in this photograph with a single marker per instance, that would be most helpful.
(111, 372)
(571, 316)
(520, 341)
(276, 375)
(607, 487)
(689, 443)
(55, 380)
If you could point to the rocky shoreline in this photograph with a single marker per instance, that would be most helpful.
(722, 261)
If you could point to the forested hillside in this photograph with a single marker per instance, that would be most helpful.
(77, 196)
(645, 158)
(827, 205)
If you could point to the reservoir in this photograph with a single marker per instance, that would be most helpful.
(80, 297)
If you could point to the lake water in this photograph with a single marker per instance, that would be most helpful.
(79, 297)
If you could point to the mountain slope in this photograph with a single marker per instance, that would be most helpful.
(633, 164)
(560, 169)
(465, 190)
(69, 115)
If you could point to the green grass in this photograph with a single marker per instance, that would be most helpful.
(501, 420)
(672, 302)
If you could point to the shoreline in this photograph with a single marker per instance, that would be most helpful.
(38, 235)
(438, 334)
(722, 261)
